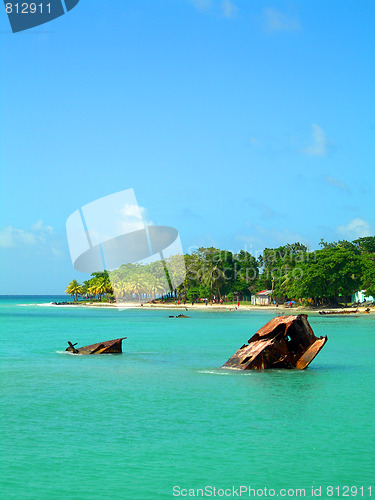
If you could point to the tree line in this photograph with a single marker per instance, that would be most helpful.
(327, 275)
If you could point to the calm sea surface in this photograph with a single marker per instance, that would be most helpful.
(162, 414)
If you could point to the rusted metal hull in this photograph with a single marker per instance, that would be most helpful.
(284, 342)
(107, 347)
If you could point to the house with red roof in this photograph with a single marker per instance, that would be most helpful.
(263, 298)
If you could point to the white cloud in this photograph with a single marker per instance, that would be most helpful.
(229, 9)
(145, 216)
(333, 181)
(7, 237)
(38, 227)
(11, 236)
(356, 228)
(131, 211)
(133, 218)
(319, 145)
(39, 237)
(278, 21)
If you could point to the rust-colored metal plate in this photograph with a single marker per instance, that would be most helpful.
(283, 342)
(107, 347)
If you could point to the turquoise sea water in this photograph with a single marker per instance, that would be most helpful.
(163, 414)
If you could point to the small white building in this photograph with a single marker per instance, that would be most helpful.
(262, 298)
(360, 297)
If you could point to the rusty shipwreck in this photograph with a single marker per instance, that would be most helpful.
(283, 342)
(107, 347)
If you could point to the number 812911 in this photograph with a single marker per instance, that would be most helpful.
(28, 8)
(347, 491)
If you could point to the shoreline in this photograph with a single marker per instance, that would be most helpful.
(219, 308)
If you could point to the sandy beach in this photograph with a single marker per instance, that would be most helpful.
(180, 308)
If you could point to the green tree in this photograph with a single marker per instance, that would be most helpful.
(366, 244)
(368, 277)
(278, 268)
(367, 248)
(246, 273)
(338, 268)
(74, 289)
(334, 271)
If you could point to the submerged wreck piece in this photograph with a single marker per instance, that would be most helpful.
(283, 342)
(108, 347)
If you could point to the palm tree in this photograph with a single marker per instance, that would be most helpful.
(74, 289)
(100, 287)
(157, 286)
(136, 284)
(119, 289)
(108, 286)
(213, 277)
(91, 290)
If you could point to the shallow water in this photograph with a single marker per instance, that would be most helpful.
(163, 414)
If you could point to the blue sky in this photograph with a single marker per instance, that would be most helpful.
(242, 123)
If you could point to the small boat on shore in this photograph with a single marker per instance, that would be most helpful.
(283, 342)
(344, 311)
(107, 347)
